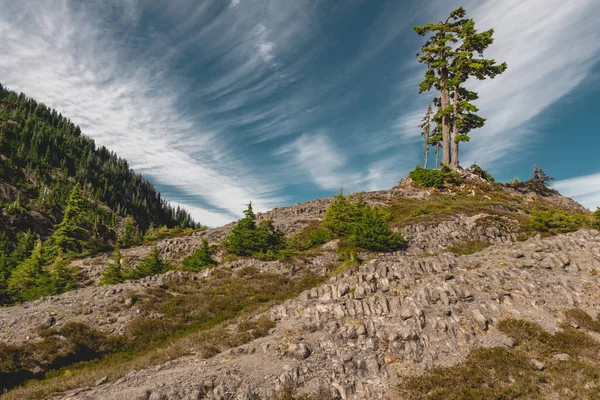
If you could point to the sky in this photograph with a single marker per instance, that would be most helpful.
(222, 102)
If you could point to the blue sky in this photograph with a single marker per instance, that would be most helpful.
(219, 102)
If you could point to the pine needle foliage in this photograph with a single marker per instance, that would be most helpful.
(342, 215)
(150, 266)
(114, 272)
(247, 238)
(372, 232)
(200, 259)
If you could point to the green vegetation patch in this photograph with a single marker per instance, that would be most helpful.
(468, 247)
(512, 373)
(192, 311)
(557, 221)
(434, 178)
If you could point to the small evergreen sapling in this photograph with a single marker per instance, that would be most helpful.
(28, 280)
(153, 265)
(200, 259)
(61, 276)
(114, 272)
(373, 233)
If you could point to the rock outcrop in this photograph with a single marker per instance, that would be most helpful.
(353, 335)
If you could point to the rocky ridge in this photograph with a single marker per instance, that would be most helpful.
(352, 337)
(355, 334)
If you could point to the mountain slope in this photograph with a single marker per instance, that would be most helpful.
(43, 154)
(320, 322)
(61, 197)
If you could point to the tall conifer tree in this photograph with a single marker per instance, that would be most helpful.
(448, 54)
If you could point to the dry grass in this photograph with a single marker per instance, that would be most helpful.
(195, 316)
(468, 247)
(508, 373)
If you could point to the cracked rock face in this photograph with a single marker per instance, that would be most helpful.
(351, 337)
(354, 334)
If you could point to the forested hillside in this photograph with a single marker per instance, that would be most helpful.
(58, 189)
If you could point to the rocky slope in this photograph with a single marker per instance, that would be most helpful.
(356, 335)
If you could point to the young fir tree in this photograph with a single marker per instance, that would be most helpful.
(247, 238)
(23, 249)
(426, 133)
(465, 65)
(342, 214)
(62, 277)
(114, 272)
(153, 265)
(449, 56)
(373, 233)
(130, 233)
(28, 280)
(200, 259)
(69, 235)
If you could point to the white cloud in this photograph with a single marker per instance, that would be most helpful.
(62, 55)
(550, 47)
(584, 189)
(319, 159)
(234, 3)
(265, 48)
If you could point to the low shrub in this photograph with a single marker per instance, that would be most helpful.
(477, 170)
(509, 373)
(200, 259)
(247, 238)
(150, 266)
(434, 178)
(313, 235)
(556, 221)
(372, 232)
(72, 343)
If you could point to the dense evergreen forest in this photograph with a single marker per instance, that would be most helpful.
(58, 190)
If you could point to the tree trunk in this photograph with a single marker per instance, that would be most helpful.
(445, 99)
(455, 164)
(426, 150)
(437, 156)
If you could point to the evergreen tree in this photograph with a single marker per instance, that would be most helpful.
(25, 244)
(62, 277)
(449, 56)
(130, 233)
(28, 280)
(373, 233)
(70, 235)
(150, 266)
(466, 65)
(114, 272)
(426, 133)
(200, 259)
(436, 54)
(247, 238)
(342, 214)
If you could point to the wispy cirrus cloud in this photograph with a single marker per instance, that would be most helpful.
(223, 102)
(321, 162)
(585, 189)
(550, 47)
(62, 54)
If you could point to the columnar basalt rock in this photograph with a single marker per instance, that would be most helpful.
(352, 334)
